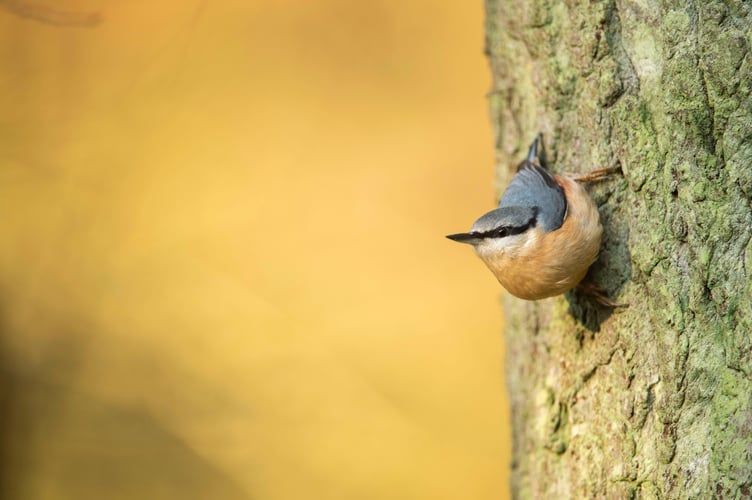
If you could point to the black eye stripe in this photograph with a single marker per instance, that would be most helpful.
(503, 231)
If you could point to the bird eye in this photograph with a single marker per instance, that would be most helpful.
(501, 232)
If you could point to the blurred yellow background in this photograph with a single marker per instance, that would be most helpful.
(223, 271)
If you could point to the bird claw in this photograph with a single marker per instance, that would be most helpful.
(597, 175)
(598, 294)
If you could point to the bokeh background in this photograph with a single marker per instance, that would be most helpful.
(223, 271)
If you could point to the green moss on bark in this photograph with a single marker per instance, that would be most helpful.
(653, 402)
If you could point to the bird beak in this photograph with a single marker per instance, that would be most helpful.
(469, 238)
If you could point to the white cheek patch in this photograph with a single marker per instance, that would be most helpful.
(509, 245)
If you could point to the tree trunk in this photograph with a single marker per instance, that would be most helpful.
(654, 401)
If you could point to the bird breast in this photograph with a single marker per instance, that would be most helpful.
(550, 263)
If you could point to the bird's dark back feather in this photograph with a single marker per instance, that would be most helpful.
(535, 187)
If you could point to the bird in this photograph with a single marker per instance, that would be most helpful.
(545, 233)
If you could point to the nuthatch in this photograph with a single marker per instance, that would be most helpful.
(544, 235)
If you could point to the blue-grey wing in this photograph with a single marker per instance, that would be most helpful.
(535, 187)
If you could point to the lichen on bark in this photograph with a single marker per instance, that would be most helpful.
(655, 401)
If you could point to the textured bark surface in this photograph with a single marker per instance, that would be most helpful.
(652, 402)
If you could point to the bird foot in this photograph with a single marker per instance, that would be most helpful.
(597, 175)
(598, 294)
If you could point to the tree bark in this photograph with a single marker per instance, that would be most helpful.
(654, 401)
